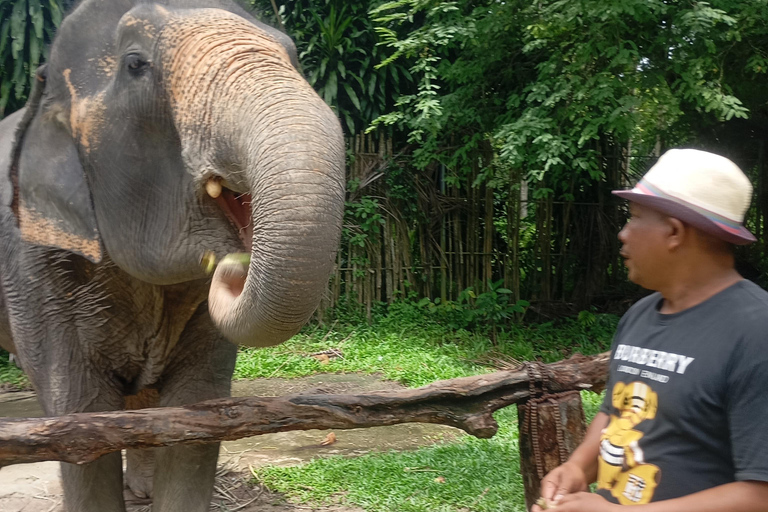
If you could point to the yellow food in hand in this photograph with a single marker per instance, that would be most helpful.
(545, 504)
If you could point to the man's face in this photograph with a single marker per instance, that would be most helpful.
(644, 246)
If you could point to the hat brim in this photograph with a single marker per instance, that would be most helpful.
(738, 236)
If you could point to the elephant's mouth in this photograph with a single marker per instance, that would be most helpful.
(237, 208)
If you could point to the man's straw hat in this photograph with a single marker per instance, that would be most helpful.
(702, 189)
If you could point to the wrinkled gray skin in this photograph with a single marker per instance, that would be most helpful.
(104, 218)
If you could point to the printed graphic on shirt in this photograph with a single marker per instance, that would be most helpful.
(666, 361)
(622, 468)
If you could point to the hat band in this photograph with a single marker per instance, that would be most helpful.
(645, 188)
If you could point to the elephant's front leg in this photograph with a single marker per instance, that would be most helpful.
(184, 477)
(97, 486)
(200, 369)
(94, 487)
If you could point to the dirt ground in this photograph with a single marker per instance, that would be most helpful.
(36, 487)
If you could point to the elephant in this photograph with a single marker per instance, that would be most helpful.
(156, 132)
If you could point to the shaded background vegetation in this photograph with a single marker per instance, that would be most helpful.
(485, 136)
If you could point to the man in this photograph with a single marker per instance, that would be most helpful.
(684, 424)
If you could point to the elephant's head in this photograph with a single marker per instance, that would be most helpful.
(164, 130)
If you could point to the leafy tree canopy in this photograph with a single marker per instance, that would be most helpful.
(545, 80)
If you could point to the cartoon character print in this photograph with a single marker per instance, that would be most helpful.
(622, 468)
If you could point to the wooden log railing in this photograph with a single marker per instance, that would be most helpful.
(467, 403)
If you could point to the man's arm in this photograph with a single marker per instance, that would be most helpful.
(747, 496)
(581, 468)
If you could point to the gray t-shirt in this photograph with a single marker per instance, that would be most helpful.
(688, 398)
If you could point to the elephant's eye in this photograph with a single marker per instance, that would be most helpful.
(135, 63)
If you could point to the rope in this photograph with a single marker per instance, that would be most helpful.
(530, 425)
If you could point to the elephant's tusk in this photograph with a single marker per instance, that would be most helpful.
(213, 187)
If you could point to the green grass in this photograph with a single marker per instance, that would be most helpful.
(413, 358)
(479, 475)
(410, 347)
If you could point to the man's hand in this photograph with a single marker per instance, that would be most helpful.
(565, 479)
(585, 502)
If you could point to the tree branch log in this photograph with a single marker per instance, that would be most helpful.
(466, 403)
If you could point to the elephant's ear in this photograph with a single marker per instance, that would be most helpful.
(52, 200)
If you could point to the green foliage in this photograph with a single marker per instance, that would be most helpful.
(338, 50)
(10, 374)
(443, 24)
(26, 29)
(547, 80)
(364, 218)
(475, 311)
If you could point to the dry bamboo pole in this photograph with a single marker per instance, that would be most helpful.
(516, 244)
(379, 269)
(471, 231)
(562, 249)
(423, 249)
(396, 271)
(337, 282)
(538, 249)
(388, 260)
(443, 263)
(488, 237)
(368, 295)
(461, 269)
(508, 254)
(349, 282)
(450, 259)
(405, 251)
(546, 263)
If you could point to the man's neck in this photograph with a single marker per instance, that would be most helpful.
(694, 286)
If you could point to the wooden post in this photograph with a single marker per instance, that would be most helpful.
(558, 425)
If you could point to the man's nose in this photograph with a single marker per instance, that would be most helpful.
(623, 234)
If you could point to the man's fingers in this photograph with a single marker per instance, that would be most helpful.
(568, 498)
(549, 487)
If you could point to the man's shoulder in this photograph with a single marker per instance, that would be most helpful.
(747, 302)
(750, 290)
(749, 310)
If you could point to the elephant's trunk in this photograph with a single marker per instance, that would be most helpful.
(245, 114)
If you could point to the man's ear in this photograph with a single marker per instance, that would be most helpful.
(677, 231)
(52, 200)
